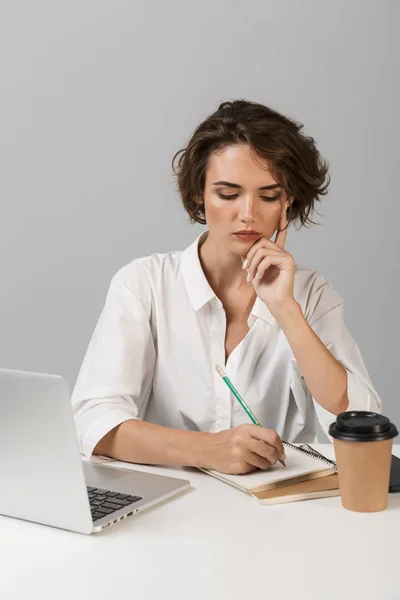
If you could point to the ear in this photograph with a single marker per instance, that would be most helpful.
(289, 202)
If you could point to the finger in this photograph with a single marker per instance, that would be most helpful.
(264, 450)
(261, 243)
(267, 435)
(281, 233)
(252, 458)
(268, 261)
(258, 257)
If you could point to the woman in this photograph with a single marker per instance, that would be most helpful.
(148, 391)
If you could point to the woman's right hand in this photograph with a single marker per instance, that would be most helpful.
(242, 449)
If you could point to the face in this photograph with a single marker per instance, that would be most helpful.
(241, 194)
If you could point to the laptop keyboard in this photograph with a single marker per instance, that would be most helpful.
(105, 502)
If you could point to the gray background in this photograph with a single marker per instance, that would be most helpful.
(96, 96)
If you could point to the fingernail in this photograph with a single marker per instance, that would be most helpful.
(248, 277)
(258, 276)
(246, 262)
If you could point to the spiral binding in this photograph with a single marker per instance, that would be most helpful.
(309, 451)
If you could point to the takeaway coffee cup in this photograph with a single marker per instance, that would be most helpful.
(363, 449)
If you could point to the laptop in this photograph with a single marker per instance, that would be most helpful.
(42, 476)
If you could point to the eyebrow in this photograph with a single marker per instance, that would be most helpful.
(236, 185)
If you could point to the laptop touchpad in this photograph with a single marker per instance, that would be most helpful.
(103, 477)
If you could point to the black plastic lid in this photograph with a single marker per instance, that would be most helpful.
(362, 426)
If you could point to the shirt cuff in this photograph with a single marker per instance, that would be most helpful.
(100, 428)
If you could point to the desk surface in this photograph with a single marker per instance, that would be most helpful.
(212, 542)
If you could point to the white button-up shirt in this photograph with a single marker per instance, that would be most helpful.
(162, 331)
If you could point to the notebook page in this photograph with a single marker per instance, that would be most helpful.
(297, 464)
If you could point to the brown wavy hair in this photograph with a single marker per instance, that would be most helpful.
(295, 161)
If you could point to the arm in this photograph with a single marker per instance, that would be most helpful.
(115, 379)
(236, 450)
(114, 385)
(328, 357)
(141, 442)
(325, 377)
(323, 328)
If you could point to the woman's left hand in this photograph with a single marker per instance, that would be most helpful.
(271, 268)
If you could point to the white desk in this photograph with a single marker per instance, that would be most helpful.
(212, 542)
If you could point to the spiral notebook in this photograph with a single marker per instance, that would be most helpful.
(303, 464)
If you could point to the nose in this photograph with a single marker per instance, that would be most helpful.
(247, 209)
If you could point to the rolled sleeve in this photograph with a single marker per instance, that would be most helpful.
(100, 426)
(326, 317)
(115, 379)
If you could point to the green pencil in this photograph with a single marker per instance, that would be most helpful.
(239, 398)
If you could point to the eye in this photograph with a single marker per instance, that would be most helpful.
(224, 197)
(270, 198)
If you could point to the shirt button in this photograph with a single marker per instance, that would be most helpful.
(233, 363)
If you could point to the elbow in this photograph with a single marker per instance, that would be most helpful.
(105, 446)
(343, 404)
(360, 395)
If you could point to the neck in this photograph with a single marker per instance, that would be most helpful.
(222, 268)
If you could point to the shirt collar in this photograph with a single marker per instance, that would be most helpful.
(200, 291)
(197, 286)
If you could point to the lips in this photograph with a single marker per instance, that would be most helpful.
(247, 232)
(247, 236)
